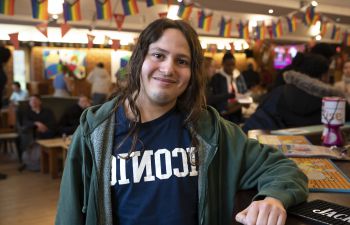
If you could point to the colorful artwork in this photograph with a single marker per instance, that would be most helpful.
(72, 62)
(119, 61)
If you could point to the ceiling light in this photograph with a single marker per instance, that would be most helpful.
(55, 7)
(318, 37)
(270, 11)
(314, 3)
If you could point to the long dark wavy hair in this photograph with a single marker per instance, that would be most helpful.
(191, 102)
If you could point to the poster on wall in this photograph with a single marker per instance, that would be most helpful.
(119, 61)
(58, 61)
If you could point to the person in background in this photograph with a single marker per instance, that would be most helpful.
(101, 83)
(299, 101)
(228, 82)
(18, 94)
(344, 84)
(63, 83)
(251, 77)
(214, 99)
(70, 118)
(157, 143)
(37, 122)
(5, 55)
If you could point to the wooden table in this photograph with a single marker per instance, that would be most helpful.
(243, 198)
(51, 150)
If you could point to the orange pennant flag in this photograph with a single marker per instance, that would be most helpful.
(42, 28)
(119, 20)
(163, 14)
(90, 40)
(115, 44)
(14, 40)
(232, 45)
(64, 29)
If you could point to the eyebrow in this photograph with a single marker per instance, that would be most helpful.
(167, 52)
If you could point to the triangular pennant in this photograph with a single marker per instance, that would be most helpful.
(119, 20)
(115, 44)
(163, 14)
(14, 40)
(42, 28)
(64, 29)
(90, 40)
(71, 10)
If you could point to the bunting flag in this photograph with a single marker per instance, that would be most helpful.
(346, 39)
(277, 29)
(64, 29)
(42, 28)
(270, 31)
(309, 15)
(103, 9)
(14, 40)
(163, 14)
(204, 21)
(153, 2)
(292, 23)
(335, 32)
(39, 9)
(90, 40)
(170, 2)
(115, 44)
(243, 30)
(316, 18)
(130, 7)
(71, 11)
(323, 28)
(119, 20)
(7, 7)
(184, 11)
(261, 31)
(225, 27)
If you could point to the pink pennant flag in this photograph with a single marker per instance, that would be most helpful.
(163, 14)
(64, 29)
(115, 44)
(42, 28)
(90, 40)
(119, 20)
(14, 40)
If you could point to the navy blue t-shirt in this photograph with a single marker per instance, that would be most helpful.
(158, 185)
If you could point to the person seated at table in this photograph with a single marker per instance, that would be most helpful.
(18, 94)
(70, 119)
(36, 122)
(299, 101)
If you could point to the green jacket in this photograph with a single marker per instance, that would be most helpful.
(229, 162)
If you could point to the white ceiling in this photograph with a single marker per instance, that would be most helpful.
(236, 9)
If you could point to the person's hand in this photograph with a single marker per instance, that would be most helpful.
(269, 211)
(40, 127)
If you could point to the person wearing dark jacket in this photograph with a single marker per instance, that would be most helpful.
(37, 122)
(299, 101)
(156, 154)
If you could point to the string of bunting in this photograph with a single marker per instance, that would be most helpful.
(290, 22)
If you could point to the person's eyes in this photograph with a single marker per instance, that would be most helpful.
(183, 62)
(158, 55)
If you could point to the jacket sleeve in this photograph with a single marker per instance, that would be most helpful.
(268, 170)
(71, 208)
(274, 174)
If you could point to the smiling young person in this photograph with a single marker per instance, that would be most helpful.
(155, 154)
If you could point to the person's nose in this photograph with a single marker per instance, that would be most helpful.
(167, 67)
